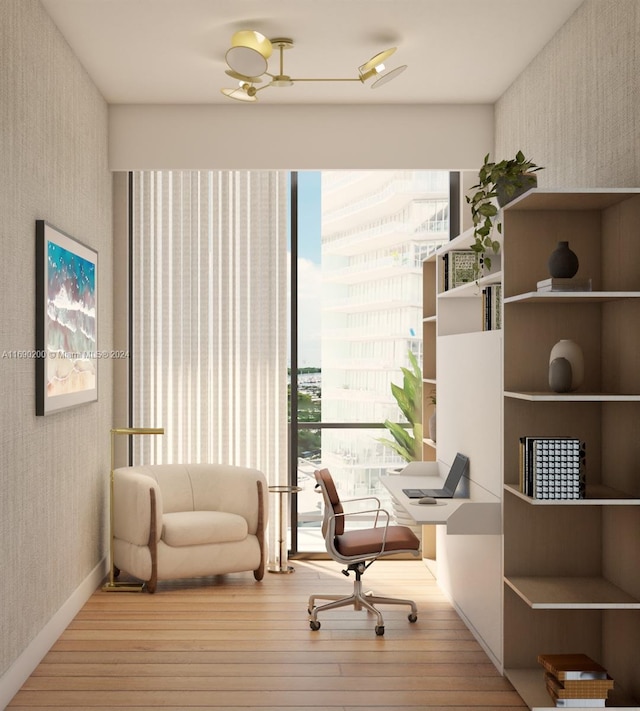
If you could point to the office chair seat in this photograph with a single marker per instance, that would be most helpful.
(368, 541)
(359, 548)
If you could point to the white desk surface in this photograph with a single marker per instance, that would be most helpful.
(480, 512)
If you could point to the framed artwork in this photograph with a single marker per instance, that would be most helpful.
(66, 321)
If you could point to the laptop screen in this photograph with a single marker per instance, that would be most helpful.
(458, 468)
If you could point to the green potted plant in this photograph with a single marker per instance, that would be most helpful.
(407, 441)
(502, 181)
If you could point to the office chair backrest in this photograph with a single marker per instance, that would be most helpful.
(332, 503)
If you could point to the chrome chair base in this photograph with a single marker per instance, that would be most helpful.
(358, 600)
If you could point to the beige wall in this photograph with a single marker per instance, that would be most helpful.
(576, 108)
(54, 469)
(246, 137)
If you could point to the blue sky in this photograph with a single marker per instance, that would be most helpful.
(309, 215)
(309, 274)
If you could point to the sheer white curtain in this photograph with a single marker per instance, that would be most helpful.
(209, 331)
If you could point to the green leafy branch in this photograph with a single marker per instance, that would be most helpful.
(496, 181)
(407, 441)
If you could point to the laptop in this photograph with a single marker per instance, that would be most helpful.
(459, 467)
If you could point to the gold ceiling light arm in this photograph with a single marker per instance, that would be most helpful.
(250, 50)
(297, 79)
(112, 585)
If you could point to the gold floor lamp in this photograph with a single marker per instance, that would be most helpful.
(112, 585)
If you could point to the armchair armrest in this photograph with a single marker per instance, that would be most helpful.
(132, 506)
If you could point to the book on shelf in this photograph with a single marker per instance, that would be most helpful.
(579, 703)
(492, 307)
(575, 680)
(460, 267)
(572, 667)
(579, 688)
(552, 467)
(559, 284)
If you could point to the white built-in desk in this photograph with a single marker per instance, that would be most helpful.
(473, 510)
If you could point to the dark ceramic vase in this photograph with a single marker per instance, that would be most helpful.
(560, 375)
(563, 263)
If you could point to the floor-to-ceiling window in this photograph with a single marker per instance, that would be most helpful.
(358, 242)
(209, 319)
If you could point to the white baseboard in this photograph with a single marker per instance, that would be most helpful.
(13, 679)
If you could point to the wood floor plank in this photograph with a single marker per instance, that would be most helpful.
(267, 683)
(476, 656)
(231, 643)
(290, 669)
(285, 699)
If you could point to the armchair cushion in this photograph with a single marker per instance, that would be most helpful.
(188, 528)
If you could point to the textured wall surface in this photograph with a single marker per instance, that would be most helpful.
(54, 469)
(576, 108)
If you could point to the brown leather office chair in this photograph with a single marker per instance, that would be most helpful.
(359, 548)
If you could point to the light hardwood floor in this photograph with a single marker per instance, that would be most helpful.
(229, 643)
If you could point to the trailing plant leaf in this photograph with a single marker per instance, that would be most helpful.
(510, 175)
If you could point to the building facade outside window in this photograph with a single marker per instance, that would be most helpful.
(376, 229)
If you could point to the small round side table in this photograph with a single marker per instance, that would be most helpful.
(282, 565)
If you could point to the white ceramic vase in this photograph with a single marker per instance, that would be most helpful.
(570, 351)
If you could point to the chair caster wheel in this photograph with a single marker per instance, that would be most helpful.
(314, 624)
(413, 618)
(379, 630)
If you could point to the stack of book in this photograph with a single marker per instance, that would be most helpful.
(552, 467)
(460, 267)
(557, 284)
(492, 307)
(575, 680)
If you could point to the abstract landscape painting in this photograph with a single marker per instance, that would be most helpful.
(66, 321)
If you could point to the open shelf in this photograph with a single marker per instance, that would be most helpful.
(574, 593)
(571, 397)
(568, 199)
(472, 288)
(596, 495)
(570, 297)
(530, 684)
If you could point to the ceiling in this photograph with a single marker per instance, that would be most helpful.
(173, 51)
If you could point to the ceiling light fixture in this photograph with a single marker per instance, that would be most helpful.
(248, 57)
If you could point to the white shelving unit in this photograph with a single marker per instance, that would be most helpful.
(570, 567)
(429, 330)
(468, 532)
(561, 576)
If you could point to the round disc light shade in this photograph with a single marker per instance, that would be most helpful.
(377, 60)
(388, 76)
(249, 53)
(238, 94)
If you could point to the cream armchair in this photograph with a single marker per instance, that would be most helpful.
(189, 520)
